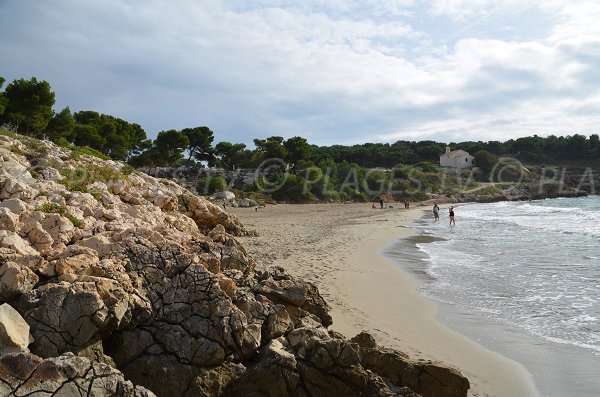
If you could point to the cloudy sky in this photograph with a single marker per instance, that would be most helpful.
(333, 71)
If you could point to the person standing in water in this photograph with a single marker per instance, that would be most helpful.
(452, 221)
(436, 212)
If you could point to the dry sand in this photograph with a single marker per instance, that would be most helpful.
(338, 247)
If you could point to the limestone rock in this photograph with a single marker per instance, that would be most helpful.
(283, 289)
(9, 220)
(427, 378)
(245, 203)
(214, 382)
(16, 206)
(24, 374)
(14, 331)
(102, 244)
(223, 195)
(65, 317)
(13, 241)
(15, 279)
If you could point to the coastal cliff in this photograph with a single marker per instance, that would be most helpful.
(113, 282)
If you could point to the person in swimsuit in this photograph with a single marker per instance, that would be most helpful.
(452, 221)
(436, 212)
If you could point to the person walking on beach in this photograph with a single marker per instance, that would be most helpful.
(381, 203)
(452, 221)
(436, 212)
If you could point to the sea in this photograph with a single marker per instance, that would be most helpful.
(521, 278)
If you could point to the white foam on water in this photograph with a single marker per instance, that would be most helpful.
(531, 265)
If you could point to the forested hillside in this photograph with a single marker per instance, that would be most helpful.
(335, 172)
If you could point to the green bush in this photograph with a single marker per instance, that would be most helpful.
(53, 208)
(210, 185)
(78, 179)
(426, 166)
(89, 151)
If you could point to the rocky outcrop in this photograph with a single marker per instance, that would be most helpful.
(24, 374)
(122, 279)
(427, 378)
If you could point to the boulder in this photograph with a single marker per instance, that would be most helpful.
(245, 203)
(24, 374)
(425, 377)
(67, 316)
(102, 244)
(15, 279)
(13, 241)
(15, 205)
(40, 239)
(9, 220)
(225, 195)
(14, 331)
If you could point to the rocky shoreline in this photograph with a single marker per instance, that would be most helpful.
(113, 282)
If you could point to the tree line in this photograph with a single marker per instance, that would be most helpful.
(27, 106)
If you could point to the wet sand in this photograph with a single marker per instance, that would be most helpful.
(339, 248)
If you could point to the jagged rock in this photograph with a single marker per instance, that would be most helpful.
(59, 228)
(40, 239)
(16, 206)
(24, 374)
(65, 317)
(310, 363)
(193, 318)
(102, 244)
(14, 331)
(9, 220)
(223, 195)
(245, 203)
(275, 374)
(214, 382)
(13, 241)
(16, 189)
(297, 293)
(15, 279)
(425, 377)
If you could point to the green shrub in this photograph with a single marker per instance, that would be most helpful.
(78, 179)
(208, 185)
(16, 150)
(426, 166)
(76, 222)
(89, 151)
(51, 208)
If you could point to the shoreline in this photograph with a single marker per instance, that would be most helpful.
(340, 248)
(558, 368)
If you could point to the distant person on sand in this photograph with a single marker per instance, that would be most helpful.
(436, 212)
(225, 205)
(381, 203)
(373, 206)
(452, 221)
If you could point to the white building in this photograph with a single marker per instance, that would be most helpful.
(456, 159)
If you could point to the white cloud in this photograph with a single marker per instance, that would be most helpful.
(335, 71)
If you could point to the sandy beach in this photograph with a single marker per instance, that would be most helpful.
(339, 248)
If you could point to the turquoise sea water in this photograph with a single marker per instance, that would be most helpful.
(529, 271)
